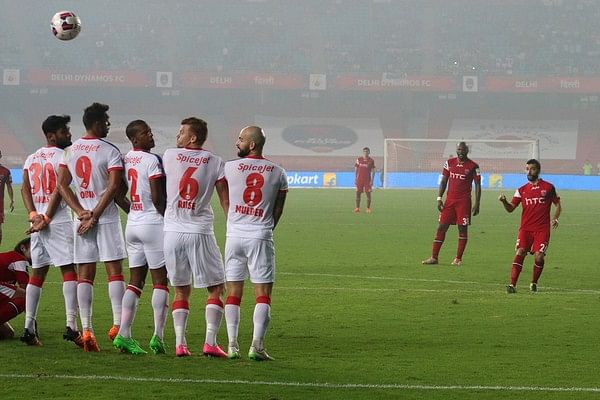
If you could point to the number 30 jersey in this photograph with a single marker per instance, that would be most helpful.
(90, 160)
(191, 178)
(42, 170)
(254, 184)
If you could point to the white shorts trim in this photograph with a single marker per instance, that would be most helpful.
(254, 258)
(53, 246)
(145, 245)
(104, 242)
(193, 258)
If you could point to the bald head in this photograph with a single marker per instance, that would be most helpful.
(251, 141)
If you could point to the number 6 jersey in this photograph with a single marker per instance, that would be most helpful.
(42, 170)
(253, 187)
(191, 177)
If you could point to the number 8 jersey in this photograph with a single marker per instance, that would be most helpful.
(191, 177)
(42, 170)
(253, 187)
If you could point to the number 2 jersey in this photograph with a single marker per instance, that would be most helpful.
(140, 168)
(254, 184)
(90, 160)
(42, 170)
(191, 178)
(536, 201)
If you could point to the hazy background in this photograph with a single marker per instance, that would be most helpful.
(323, 78)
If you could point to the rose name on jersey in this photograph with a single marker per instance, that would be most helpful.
(186, 204)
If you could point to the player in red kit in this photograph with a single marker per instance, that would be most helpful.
(364, 172)
(5, 180)
(13, 272)
(536, 197)
(458, 175)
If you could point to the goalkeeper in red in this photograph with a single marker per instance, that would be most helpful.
(536, 197)
(458, 175)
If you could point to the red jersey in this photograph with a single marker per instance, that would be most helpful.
(13, 268)
(364, 167)
(536, 201)
(461, 175)
(4, 178)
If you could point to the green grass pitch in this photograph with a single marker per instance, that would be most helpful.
(355, 315)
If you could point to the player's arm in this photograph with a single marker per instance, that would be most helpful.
(158, 193)
(121, 197)
(36, 219)
(278, 207)
(510, 207)
(223, 193)
(9, 189)
(557, 211)
(441, 191)
(475, 210)
(64, 190)
(372, 174)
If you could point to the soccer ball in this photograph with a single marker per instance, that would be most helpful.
(65, 25)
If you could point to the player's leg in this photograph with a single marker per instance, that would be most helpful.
(181, 310)
(6, 331)
(524, 242)
(463, 234)
(357, 199)
(540, 246)
(261, 266)
(180, 276)
(463, 220)
(438, 241)
(111, 249)
(12, 303)
(131, 298)
(69, 286)
(368, 190)
(160, 307)
(236, 272)
(1, 222)
(208, 272)
(33, 293)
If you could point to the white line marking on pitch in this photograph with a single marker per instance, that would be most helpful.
(325, 385)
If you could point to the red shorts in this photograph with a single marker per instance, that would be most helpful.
(456, 212)
(533, 241)
(364, 187)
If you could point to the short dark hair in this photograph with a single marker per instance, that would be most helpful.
(24, 242)
(366, 148)
(94, 113)
(199, 128)
(536, 163)
(54, 123)
(135, 127)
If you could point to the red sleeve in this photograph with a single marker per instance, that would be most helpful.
(22, 278)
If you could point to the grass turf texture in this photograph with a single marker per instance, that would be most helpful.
(356, 315)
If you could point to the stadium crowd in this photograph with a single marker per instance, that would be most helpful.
(548, 37)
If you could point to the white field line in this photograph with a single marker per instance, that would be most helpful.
(324, 385)
(523, 289)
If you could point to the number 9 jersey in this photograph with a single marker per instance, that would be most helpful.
(254, 184)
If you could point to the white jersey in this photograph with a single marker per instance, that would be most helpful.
(90, 160)
(254, 184)
(141, 167)
(191, 177)
(42, 169)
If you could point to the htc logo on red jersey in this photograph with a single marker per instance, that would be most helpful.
(530, 201)
(454, 175)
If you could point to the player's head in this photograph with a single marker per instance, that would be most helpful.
(462, 150)
(533, 170)
(96, 120)
(140, 135)
(57, 131)
(24, 248)
(192, 133)
(0, 153)
(366, 151)
(251, 141)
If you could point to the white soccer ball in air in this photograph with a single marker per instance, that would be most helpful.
(65, 25)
